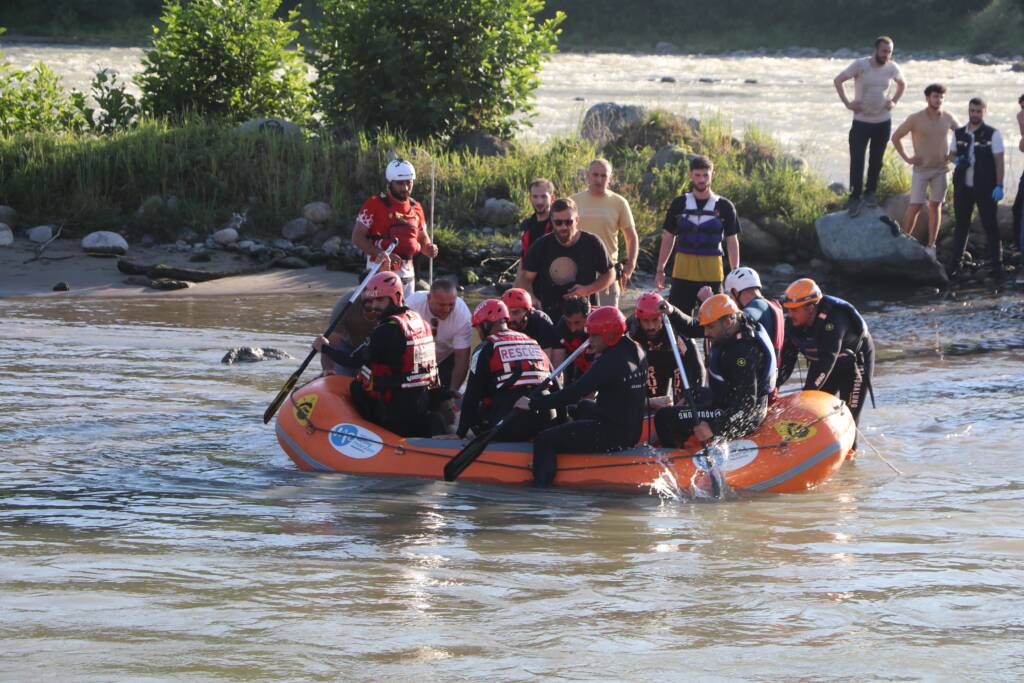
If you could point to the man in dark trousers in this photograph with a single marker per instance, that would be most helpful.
(977, 148)
(834, 338)
(612, 422)
(742, 377)
(647, 327)
(397, 363)
(506, 366)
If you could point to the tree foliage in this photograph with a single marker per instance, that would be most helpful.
(33, 100)
(428, 67)
(227, 59)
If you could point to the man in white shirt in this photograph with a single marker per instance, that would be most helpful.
(449, 318)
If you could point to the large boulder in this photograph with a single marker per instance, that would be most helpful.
(896, 207)
(1004, 217)
(481, 144)
(669, 155)
(40, 233)
(758, 245)
(318, 212)
(274, 126)
(332, 247)
(8, 216)
(6, 235)
(298, 229)
(104, 243)
(606, 120)
(868, 247)
(498, 212)
(225, 236)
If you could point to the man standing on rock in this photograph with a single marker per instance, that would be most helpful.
(394, 214)
(977, 149)
(872, 117)
(929, 130)
(696, 226)
(605, 214)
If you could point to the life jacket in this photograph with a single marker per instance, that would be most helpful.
(419, 363)
(767, 373)
(700, 231)
(984, 160)
(399, 228)
(852, 342)
(780, 321)
(516, 361)
(572, 342)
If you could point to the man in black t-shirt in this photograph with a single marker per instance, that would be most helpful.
(568, 262)
(542, 193)
(696, 227)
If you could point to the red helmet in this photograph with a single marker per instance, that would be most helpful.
(489, 311)
(518, 298)
(650, 305)
(385, 284)
(608, 322)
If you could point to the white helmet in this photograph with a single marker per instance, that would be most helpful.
(398, 170)
(740, 279)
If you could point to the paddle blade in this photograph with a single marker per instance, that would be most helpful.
(477, 446)
(272, 409)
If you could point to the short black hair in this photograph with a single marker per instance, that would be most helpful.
(978, 102)
(576, 304)
(935, 87)
(564, 204)
(701, 163)
(1020, 99)
(443, 284)
(883, 39)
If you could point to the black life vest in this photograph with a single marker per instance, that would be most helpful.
(984, 160)
(767, 373)
(700, 231)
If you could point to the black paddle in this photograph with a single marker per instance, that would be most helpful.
(478, 445)
(716, 487)
(290, 384)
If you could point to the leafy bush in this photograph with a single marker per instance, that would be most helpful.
(33, 100)
(226, 59)
(116, 108)
(430, 67)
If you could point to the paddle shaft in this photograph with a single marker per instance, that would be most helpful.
(430, 268)
(474, 448)
(293, 380)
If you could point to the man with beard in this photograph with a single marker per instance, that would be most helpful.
(523, 317)
(696, 226)
(571, 334)
(394, 215)
(568, 262)
(872, 117)
(542, 193)
(397, 363)
(647, 327)
(355, 326)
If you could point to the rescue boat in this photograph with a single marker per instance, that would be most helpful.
(802, 443)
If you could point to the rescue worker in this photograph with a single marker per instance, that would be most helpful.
(744, 285)
(834, 338)
(615, 419)
(397, 363)
(571, 333)
(394, 214)
(647, 327)
(505, 366)
(523, 317)
(741, 372)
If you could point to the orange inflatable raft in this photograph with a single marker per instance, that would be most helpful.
(802, 443)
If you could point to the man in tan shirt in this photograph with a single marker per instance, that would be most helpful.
(605, 214)
(929, 131)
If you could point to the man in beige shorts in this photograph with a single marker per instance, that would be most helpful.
(605, 214)
(929, 131)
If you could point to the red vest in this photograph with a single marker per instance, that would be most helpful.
(516, 361)
(398, 227)
(584, 360)
(780, 328)
(419, 364)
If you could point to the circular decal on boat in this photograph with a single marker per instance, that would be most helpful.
(793, 431)
(354, 441)
(741, 454)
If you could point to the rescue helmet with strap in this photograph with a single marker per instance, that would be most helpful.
(607, 322)
(517, 297)
(650, 305)
(398, 170)
(716, 307)
(741, 279)
(489, 311)
(385, 284)
(803, 291)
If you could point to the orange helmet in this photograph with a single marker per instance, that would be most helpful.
(518, 298)
(650, 305)
(385, 284)
(803, 291)
(608, 322)
(489, 311)
(715, 307)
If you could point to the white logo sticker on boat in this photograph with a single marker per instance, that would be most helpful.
(354, 441)
(741, 454)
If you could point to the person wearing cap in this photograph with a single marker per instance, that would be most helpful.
(505, 366)
(612, 422)
(571, 333)
(741, 377)
(397, 365)
(647, 327)
(523, 317)
(393, 215)
(834, 338)
(744, 285)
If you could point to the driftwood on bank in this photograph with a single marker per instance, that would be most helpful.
(160, 271)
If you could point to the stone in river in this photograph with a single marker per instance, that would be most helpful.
(8, 216)
(62, 287)
(104, 243)
(253, 354)
(667, 79)
(605, 121)
(225, 236)
(40, 233)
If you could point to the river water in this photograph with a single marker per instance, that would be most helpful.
(791, 97)
(151, 528)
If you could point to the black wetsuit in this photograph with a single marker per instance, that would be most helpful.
(540, 328)
(661, 363)
(839, 351)
(742, 376)
(612, 422)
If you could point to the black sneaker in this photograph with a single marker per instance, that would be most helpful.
(871, 199)
(853, 206)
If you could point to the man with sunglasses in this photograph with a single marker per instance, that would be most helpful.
(566, 263)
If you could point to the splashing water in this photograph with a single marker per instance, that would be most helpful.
(708, 472)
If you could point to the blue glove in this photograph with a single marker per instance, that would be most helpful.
(997, 192)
